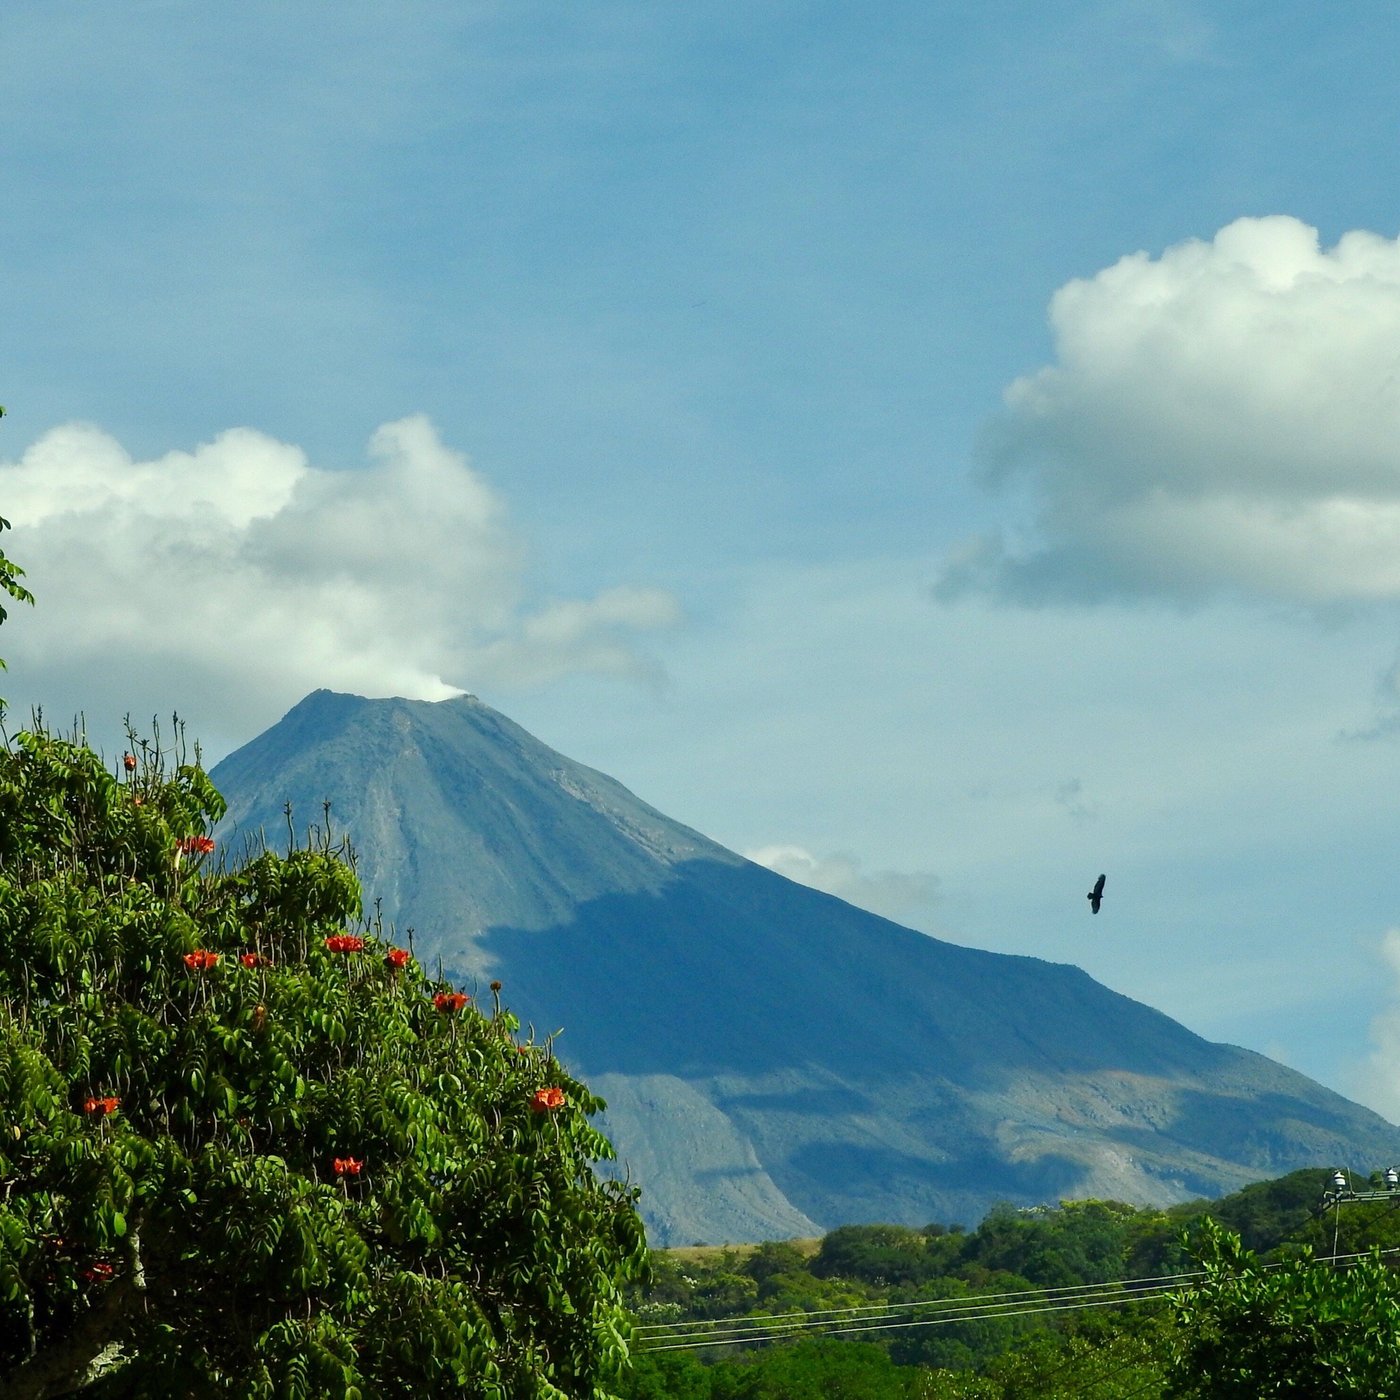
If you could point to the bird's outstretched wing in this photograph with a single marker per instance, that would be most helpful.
(1096, 895)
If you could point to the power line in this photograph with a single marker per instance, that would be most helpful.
(1109, 1375)
(879, 1325)
(982, 1308)
(967, 1300)
(972, 1308)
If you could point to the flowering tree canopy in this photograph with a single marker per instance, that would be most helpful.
(242, 1148)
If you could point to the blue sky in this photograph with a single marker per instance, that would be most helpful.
(945, 451)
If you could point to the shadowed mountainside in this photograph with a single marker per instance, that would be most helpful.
(776, 1062)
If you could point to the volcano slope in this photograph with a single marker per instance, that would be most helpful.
(776, 1062)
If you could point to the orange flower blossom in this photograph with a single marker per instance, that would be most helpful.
(344, 943)
(201, 960)
(448, 1002)
(545, 1100)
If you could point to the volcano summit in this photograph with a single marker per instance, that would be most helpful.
(776, 1062)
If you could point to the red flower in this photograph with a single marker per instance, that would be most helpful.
(545, 1100)
(347, 1166)
(129, 762)
(196, 845)
(448, 1002)
(201, 960)
(98, 1272)
(101, 1106)
(344, 943)
(252, 959)
(398, 957)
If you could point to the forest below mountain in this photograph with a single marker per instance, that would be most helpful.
(1090, 1298)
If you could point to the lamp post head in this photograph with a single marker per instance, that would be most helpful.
(1392, 1178)
(1339, 1181)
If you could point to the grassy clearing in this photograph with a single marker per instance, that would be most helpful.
(711, 1253)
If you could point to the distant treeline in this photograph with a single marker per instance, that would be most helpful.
(1024, 1317)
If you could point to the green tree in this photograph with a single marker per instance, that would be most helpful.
(248, 1148)
(1264, 1214)
(821, 1369)
(774, 1257)
(667, 1375)
(10, 575)
(962, 1341)
(875, 1254)
(1116, 1366)
(1079, 1242)
(1301, 1328)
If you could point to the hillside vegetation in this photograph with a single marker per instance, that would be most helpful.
(1024, 1305)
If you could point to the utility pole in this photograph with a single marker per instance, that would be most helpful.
(1339, 1192)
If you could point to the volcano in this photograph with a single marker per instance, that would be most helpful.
(776, 1062)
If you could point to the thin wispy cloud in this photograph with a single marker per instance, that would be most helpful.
(906, 897)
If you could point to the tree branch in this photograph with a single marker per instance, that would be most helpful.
(92, 1347)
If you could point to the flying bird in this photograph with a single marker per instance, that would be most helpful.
(1096, 895)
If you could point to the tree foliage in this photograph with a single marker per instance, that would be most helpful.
(1283, 1326)
(1076, 1242)
(1302, 1328)
(10, 575)
(248, 1148)
(987, 1342)
(1264, 1213)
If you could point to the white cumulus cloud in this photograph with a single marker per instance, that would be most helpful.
(239, 576)
(1381, 1085)
(1222, 419)
(903, 897)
